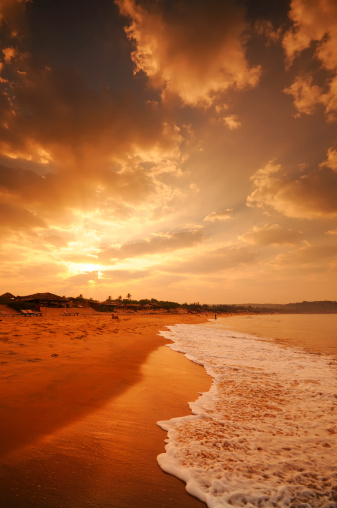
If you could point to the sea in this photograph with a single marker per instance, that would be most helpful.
(265, 435)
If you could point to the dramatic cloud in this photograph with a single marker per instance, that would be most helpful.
(315, 29)
(129, 142)
(271, 235)
(52, 192)
(304, 195)
(55, 112)
(306, 95)
(189, 49)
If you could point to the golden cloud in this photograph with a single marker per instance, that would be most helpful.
(14, 217)
(190, 50)
(224, 258)
(9, 54)
(304, 195)
(314, 25)
(310, 255)
(83, 280)
(96, 148)
(157, 244)
(271, 235)
(219, 216)
(331, 161)
(306, 95)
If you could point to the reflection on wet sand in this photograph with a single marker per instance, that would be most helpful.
(80, 398)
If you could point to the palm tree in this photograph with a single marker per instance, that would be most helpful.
(128, 296)
(120, 298)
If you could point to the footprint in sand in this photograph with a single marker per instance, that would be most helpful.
(34, 360)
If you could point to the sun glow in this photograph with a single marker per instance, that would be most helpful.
(77, 268)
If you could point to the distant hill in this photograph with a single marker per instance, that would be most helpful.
(318, 307)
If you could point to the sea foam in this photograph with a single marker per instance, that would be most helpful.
(265, 435)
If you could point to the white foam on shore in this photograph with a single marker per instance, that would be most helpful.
(265, 435)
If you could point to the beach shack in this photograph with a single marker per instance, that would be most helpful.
(7, 296)
(111, 305)
(151, 306)
(43, 300)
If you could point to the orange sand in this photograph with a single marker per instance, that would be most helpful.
(79, 401)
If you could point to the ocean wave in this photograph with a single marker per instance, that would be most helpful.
(265, 435)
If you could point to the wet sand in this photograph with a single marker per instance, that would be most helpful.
(79, 401)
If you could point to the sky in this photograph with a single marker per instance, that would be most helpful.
(170, 149)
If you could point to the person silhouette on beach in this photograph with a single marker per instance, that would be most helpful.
(215, 317)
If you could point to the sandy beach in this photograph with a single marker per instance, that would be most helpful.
(79, 400)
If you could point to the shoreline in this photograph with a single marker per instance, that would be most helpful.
(80, 398)
(269, 417)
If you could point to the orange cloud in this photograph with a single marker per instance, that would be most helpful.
(219, 216)
(331, 161)
(306, 95)
(96, 147)
(304, 195)
(111, 277)
(310, 255)
(314, 26)
(312, 21)
(271, 235)
(332, 232)
(157, 244)
(190, 50)
(216, 260)
(14, 217)
(9, 54)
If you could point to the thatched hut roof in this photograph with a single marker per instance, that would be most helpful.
(7, 295)
(46, 297)
(114, 303)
